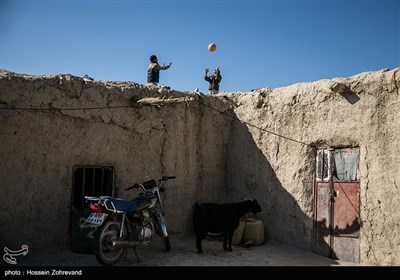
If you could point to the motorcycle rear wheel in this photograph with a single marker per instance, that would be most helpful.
(104, 252)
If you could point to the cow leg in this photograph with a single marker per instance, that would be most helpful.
(225, 232)
(199, 237)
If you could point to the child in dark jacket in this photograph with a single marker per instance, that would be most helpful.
(213, 80)
(153, 72)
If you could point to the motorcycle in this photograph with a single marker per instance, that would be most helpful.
(128, 223)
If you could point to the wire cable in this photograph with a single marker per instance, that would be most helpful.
(64, 109)
(252, 125)
(130, 106)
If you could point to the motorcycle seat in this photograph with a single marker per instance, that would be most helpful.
(137, 203)
(123, 205)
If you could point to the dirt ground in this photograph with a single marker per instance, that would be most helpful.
(183, 253)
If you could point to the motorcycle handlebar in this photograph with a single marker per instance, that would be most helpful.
(135, 186)
(165, 178)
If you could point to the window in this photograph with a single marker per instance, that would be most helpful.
(323, 165)
(91, 181)
(345, 164)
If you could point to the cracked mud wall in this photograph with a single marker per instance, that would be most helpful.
(214, 157)
(39, 149)
(280, 171)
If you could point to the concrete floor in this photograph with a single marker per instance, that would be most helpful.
(183, 253)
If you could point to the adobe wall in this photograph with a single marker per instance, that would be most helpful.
(280, 171)
(142, 142)
(216, 157)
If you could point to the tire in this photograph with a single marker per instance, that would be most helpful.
(166, 243)
(104, 252)
(162, 229)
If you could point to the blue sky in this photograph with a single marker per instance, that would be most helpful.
(259, 43)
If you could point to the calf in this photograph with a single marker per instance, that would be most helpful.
(214, 218)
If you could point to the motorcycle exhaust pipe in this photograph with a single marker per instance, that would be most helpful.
(123, 243)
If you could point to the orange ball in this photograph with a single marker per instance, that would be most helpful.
(212, 47)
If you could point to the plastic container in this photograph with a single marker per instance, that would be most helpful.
(254, 232)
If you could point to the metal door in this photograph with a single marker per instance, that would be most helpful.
(337, 204)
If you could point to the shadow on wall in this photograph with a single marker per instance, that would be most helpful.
(250, 174)
(321, 227)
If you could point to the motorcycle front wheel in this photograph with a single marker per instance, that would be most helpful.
(162, 229)
(166, 243)
(104, 252)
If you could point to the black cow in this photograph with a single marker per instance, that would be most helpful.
(215, 218)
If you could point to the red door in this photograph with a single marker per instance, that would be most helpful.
(337, 204)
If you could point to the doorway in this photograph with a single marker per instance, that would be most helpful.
(337, 204)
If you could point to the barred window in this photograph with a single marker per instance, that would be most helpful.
(91, 181)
